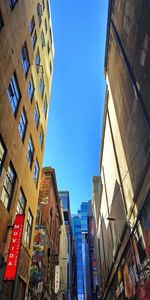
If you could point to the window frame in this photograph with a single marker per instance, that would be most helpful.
(41, 141)
(32, 25)
(25, 59)
(39, 14)
(12, 3)
(34, 38)
(7, 191)
(32, 95)
(36, 172)
(45, 112)
(20, 209)
(2, 159)
(23, 125)
(31, 149)
(28, 228)
(13, 93)
(36, 115)
(1, 20)
(37, 59)
(42, 85)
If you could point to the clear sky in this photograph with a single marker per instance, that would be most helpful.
(77, 97)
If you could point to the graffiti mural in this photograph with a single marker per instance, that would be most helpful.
(37, 268)
(132, 279)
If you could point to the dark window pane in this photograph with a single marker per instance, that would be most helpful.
(36, 115)
(22, 125)
(39, 13)
(45, 107)
(25, 59)
(42, 85)
(41, 137)
(1, 20)
(34, 39)
(32, 25)
(36, 171)
(21, 203)
(12, 3)
(31, 89)
(8, 187)
(30, 152)
(2, 153)
(28, 229)
(13, 93)
(37, 60)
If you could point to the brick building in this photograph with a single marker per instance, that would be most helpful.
(26, 67)
(47, 238)
(123, 227)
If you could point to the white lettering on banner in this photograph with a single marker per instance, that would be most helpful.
(14, 250)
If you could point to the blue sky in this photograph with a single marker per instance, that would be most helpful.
(77, 96)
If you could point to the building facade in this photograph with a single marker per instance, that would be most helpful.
(26, 67)
(124, 216)
(63, 261)
(85, 255)
(65, 200)
(46, 244)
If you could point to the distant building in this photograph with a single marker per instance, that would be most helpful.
(46, 245)
(64, 196)
(26, 68)
(85, 259)
(63, 261)
(123, 225)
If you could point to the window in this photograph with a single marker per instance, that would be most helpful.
(43, 4)
(42, 85)
(34, 39)
(22, 125)
(30, 152)
(8, 187)
(25, 59)
(45, 107)
(21, 203)
(39, 13)
(41, 137)
(50, 35)
(1, 20)
(28, 229)
(32, 25)
(45, 25)
(145, 48)
(2, 154)
(48, 10)
(12, 3)
(36, 116)
(31, 88)
(48, 47)
(50, 67)
(37, 60)
(13, 93)
(36, 172)
(42, 39)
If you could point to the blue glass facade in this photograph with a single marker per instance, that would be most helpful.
(80, 235)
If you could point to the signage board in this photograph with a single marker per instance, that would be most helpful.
(57, 278)
(14, 250)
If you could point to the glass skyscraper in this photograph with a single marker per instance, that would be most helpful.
(82, 251)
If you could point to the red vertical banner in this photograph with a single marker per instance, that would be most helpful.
(14, 250)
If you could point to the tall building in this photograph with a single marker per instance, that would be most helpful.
(63, 261)
(124, 219)
(26, 67)
(85, 258)
(45, 255)
(65, 200)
